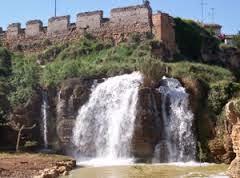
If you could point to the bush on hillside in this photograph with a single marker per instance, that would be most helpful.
(4, 103)
(50, 53)
(92, 58)
(24, 79)
(191, 38)
(236, 41)
(153, 70)
(5, 62)
(220, 93)
(207, 73)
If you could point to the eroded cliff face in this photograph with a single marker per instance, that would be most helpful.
(147, 128)
(64, 103)
(73, 93)
(233, 123)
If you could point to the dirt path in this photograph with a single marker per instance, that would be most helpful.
(27, 165)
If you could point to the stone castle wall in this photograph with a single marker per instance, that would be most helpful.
(163, 27)
(122, 23)
(91, 20)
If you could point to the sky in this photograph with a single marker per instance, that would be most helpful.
(226, 12)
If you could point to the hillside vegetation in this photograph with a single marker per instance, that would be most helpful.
(21, 76)
(93, 58)
(192, 39)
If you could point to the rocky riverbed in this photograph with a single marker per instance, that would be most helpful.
(26, 165)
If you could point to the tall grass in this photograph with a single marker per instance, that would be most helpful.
(208, 73)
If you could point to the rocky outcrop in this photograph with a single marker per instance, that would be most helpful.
(214, 138)
(228, 57)
(62, 168)
(71, 95)
(233, 124)
(198, 92)
(146, 131)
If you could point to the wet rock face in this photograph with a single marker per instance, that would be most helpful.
(233, 118)
(146, 131)
(71, 96)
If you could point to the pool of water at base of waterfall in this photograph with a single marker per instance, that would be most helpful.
(128, 170)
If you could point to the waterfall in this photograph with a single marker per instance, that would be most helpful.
(44, 109)
(177, 142)
(105, 124)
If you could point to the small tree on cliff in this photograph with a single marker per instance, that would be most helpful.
(153, 70)
(19, 128)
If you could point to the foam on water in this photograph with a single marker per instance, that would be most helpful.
(103, 162)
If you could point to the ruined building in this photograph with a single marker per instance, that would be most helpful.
(122, 23)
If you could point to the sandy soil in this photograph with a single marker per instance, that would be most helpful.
(25, 165)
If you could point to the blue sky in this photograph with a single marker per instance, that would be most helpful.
(227, 12)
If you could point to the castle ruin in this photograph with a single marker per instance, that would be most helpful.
(122, 23)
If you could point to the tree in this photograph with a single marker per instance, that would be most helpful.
(236, 40)
(5, 62)
(19, 128)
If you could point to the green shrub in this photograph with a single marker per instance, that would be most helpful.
(85, 46)
(153, 70)
(236, 41)
(51, 53)
(24, 79)
(5, 62)
(191, 38)
(4, 103)
(220, 93)
(135, 38)
(210, 74)
(90, 58)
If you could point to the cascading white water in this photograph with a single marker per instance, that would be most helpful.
(178, 141)
(44, 109)
(105, 124)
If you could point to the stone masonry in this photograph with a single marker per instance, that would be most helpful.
(58, 25)
(122, 23)
(163, 29)
(13, 30)
(33, 28)
(91, 20)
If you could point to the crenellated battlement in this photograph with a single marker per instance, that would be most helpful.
(33, 28)
(91, 20)
(122, 22)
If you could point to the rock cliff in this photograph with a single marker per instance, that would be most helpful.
(233, 123)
